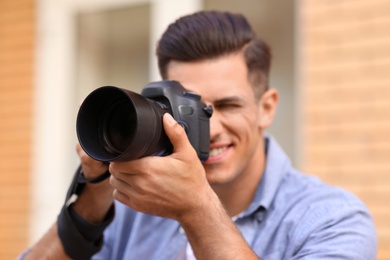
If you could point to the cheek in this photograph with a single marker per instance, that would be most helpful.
(244, 127)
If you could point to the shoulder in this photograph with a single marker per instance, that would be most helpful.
(309, 192)
(327, 220)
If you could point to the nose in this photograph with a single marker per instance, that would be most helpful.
(216, 126)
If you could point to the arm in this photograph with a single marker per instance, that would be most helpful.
(92, 205)
(176, 187)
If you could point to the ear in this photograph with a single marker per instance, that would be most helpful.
(267, 105)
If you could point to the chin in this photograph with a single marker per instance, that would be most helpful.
(218, 177)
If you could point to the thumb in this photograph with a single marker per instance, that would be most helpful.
(175, 133)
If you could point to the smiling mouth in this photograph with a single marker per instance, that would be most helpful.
(217, 151)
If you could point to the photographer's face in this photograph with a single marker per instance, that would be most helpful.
(236, 127)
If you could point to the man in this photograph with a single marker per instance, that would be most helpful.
(244, 202)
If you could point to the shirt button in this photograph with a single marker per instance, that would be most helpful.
(260, 216)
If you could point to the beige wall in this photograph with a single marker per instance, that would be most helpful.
(16, 91)
(345, 75)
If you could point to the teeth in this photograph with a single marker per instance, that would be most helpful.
(217, 151)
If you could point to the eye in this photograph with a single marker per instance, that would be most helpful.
(229, 103)
(222, 106)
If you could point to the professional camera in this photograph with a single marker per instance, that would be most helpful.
(115, 124)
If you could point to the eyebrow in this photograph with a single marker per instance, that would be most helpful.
(229, 99)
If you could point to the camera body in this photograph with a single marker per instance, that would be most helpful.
(115, 124)
(187, 109)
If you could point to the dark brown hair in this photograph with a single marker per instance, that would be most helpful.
(211, 34)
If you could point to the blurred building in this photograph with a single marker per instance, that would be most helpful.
(331, 65)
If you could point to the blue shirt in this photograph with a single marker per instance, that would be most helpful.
(292, 216)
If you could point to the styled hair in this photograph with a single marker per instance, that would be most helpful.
(212, 34)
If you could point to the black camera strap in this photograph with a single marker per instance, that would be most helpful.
(81, 239)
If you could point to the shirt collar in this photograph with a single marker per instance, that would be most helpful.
(276, 167)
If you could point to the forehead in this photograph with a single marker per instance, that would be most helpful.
(213, 78)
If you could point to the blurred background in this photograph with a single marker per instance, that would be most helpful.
(331, 65)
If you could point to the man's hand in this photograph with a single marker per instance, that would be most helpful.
(169, 186)
(96, 198)
(91, 167)
(176, 187)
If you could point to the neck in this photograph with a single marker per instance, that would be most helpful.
(237, 194)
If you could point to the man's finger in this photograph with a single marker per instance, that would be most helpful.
(175, 133)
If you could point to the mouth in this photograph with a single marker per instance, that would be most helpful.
(217, 151)
(217, 154)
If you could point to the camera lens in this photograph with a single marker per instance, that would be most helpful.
(118, 127)
(115, 124)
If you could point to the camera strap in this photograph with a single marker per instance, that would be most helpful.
(80, 238)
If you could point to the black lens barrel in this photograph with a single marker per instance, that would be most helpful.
(115, 124)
